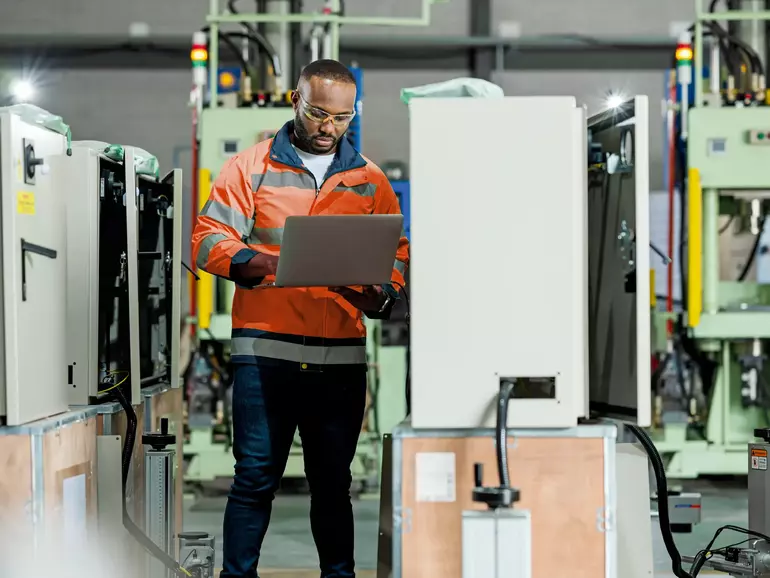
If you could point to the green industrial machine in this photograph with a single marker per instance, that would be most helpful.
(711, 388)
(234, 108)
(222, 132)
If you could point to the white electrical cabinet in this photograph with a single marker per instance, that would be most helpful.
(116, 284)
(499, 261)
(505, 231)
(34, 270)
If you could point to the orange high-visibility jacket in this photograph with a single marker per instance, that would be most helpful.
(245, 214)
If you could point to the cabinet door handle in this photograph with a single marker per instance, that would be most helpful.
(37, 250)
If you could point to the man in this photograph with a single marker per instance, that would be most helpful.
(299, 354)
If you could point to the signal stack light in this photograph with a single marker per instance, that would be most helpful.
(199, 56)
(684, 60)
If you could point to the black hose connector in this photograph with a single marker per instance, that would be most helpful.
(502, 496)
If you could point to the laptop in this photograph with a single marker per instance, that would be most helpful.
(338, 250)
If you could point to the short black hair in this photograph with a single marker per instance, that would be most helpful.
(327, 69)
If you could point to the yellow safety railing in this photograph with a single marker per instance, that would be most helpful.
(206, 284)
(694, 249)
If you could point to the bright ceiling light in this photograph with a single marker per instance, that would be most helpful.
(615, 100)
(22, 90)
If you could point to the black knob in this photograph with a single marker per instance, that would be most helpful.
(763, 434)
(164, 426)
(478, 475)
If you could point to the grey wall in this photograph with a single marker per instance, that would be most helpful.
(149, 108)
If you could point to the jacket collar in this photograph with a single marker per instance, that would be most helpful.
(346, 158)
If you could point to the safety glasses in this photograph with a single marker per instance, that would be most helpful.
(321, 116)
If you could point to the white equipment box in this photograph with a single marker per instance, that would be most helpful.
(504, 234)
(109, 275)
(499, 260)
(34, 273)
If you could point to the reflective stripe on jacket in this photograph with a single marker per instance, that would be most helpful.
(245, 214)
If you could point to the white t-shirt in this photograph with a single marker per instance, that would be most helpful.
(316, 164)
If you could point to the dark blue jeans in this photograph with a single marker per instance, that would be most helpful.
(269, 404)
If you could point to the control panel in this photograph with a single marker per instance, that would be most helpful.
(759, 137)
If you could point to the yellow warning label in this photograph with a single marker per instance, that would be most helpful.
(25, 203)
(759, 453)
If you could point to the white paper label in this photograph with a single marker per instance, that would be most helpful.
(435, 477)
(74, 506)
(758, 463)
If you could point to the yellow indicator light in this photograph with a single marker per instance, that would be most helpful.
(199, 55)
(227, 80)
(684, 53)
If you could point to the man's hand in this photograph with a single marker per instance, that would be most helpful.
(370, 300)
(259, 266)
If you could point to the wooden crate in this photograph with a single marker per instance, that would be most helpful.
(49, 475)
(566, 479)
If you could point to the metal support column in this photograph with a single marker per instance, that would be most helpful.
(279, 36)
(482, 59)
(710, 251)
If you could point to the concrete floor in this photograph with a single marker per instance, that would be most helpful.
(289, 548)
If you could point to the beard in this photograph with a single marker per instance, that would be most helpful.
(307, 141)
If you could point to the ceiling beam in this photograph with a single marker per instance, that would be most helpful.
(370, 52)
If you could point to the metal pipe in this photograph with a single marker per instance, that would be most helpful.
(715, 67)
(279, 37)
(333, 32)
(315, 44)
(298, 46)
(422, 20)
(753, 32)
(723, 566)
(328, 46)
(213, 56)
(153, 379)
(698, 63)
(671, 122)
(733, 16)
(710, 250)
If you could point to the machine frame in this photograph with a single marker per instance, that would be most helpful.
(726, 332)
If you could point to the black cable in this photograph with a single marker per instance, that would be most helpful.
(662, 491)
(754, 250)
(755, 60)
(727, 225)
(408, 383)
(226, 38)
(665, 519)
(265, 46)
(128, 450)
(501, 431)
